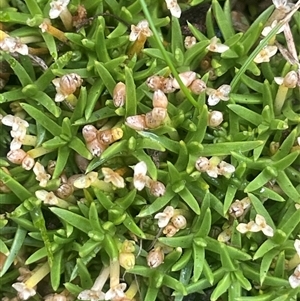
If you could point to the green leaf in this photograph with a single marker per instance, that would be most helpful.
(224, 19)
(246, 114)
(190, 200)
(14, 250)
(225, 148)
(221, 287)
(43, 119)
(260, 209)
(199, 257)
(56, 269)
(267, 246)
(73, 219)
(106, 77)
(265, 264)
(159, 203)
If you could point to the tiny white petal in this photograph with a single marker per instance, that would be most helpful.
(242, 228)
(268, 231)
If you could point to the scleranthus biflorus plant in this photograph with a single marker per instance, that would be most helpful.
(149, 150)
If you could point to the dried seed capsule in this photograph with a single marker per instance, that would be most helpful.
(64, 191)
(155, 257)
(51, 167)
(290, 80)
(136, 122)
(81, 162)
(119, 94)
(197, 86)
(159, 99)
(187, 78)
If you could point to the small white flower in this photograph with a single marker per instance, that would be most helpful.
(113, 177)
(189, 42)
(226, 169)
(14, 121)
(297, 246)
(250, 227)
(174, 8)
(215, 95)
(267, 29)
(24, 292)
(261, 222)
(141, 29)
(66, 85)
(116, 293)
(41, 175)
(57, 7)
(85, 181)
(282, 5)
(47, 197)
(294, 279)
(44, 26)
(265, 54)
(214, 46)
(165, 216)
(139, 177)
(11, 44)
(186, 77)
(225, 235)
(92, 295)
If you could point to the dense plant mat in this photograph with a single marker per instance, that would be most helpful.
(149, 150)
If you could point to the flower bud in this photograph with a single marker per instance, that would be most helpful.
(16, 156)
(127, 260)
(197, 86)
(215, 118)
(159, 99)
(109, 136)
(136, 122)
(128, 246)
(51, 167)
(28, 163)
(155, 117)
(189, 42)
(119, 94)
(157, 188)
(96, 148)
(155, 257)
(187, 78)
(89, 133)
(236, 209)
(167, 85)
(155, 82)
(291, 79)
(170, 230)
(179, 221)
(202, 164)
(69, 83)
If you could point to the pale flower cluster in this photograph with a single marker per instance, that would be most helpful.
(13, 45)
(259, 224)
(214, 167)
(170, 221)
(141, 180)
(141, 29)
(18, 132)
(57, 7)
